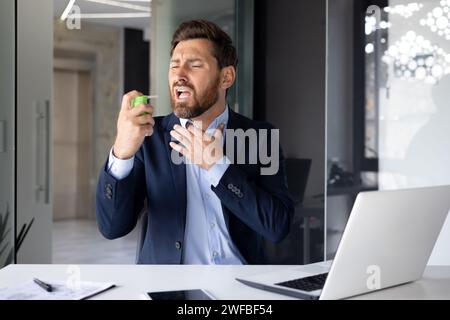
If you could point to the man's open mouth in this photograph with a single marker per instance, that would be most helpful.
(182, 92)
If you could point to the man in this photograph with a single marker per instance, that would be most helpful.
(207, 209)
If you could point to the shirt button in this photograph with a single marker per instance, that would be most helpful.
(215, 254)
(213, 225)
(178, 245)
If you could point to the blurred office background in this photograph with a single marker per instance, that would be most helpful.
(357, 88)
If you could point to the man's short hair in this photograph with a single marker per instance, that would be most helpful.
(224, 51)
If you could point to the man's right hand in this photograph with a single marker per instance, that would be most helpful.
(133, 125)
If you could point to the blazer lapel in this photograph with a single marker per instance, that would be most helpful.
(178, 172)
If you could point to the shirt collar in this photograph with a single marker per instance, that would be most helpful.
(221, 118)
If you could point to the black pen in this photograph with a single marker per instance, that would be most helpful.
(47, 287)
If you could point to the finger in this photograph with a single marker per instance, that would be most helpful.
(147, 130)
(208, 138)
(180, 138)
(184, 132)
(142, 109)
(198, 125)
(219, 131)
(144, 120)
(198, 133)
(126, 99)
(178, 148)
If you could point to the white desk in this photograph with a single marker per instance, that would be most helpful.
(133, 280)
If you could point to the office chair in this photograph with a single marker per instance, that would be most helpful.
(289, 250)
(297, 172)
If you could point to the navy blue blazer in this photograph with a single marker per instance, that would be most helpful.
(262, 208)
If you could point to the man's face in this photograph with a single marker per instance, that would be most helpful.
(194, 78)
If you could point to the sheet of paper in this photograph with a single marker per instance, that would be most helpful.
(31, 291)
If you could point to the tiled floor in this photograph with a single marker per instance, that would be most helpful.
(80, 242)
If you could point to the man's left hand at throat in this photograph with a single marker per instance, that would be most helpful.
(198, 147)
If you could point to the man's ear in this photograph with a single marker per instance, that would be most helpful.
(228, 77)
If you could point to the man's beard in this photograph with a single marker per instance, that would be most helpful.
(199, 105)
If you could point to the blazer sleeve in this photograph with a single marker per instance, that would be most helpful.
(263, 204)
(119, 202)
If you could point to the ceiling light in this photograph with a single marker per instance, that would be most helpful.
(111, 15)
(122, 4)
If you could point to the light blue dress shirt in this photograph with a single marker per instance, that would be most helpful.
(206, 238)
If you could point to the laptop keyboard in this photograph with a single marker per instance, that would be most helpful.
(311, 283)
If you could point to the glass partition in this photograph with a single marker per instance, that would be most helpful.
(95, 61)
(414, 95)
(396, 122)
(7, 53)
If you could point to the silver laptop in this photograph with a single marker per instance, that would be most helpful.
(387, 241)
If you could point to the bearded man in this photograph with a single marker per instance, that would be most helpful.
(208, 208)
